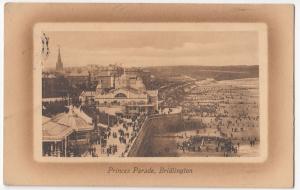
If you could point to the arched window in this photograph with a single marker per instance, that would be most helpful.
(120, 95)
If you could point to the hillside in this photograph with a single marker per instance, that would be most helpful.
(204, 72)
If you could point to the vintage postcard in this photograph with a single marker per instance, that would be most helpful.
(157, 95)
(192, 92)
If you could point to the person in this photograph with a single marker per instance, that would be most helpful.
(199, 149)
(107, 152)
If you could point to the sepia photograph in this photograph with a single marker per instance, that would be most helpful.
(155, 90)
(149, 95)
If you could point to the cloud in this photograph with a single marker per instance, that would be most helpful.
(222, 48)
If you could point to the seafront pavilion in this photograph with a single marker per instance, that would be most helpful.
(64, 130)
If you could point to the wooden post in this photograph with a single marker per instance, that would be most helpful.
(55, 148)
(51, 148)
(66, 145)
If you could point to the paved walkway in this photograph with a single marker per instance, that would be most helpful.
(114, 141)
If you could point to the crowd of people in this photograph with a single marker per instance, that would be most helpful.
(234, 113)
(117, 139)
(208, 145)
(232, 110)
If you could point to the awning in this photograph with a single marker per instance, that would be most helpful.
(55, 132)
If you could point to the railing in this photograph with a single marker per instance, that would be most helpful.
(134, 141)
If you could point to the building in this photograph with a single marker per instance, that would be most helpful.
(105, 75)
(54, 85)
(66, 133)
(59, 63)
(78, 78)
(106, 79)
(48, 85)
(54, 82)
(128, 93)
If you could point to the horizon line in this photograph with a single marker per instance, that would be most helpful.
(156, 66)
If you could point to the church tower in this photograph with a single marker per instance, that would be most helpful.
(59, 63)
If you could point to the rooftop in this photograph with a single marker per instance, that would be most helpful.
(63, 124)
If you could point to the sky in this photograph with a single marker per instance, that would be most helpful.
(157, 48)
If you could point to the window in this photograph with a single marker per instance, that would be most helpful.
(120, 95)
